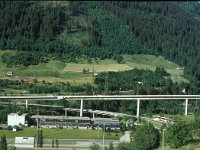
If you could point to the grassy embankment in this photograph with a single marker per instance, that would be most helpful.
(62, 133)
(56, 70)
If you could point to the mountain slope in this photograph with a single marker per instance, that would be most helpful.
(71, 31)
(101, 29)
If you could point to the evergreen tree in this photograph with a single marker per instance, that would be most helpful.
(178, 134)
(95, 146)
(52, 142)
(40, 138)
(145, 137)
(3, 143)
(111, 147)
(57, 143)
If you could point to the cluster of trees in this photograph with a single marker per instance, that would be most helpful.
(192, 7)
(3, 143)
(140, 82)
(40, 138)
(55, 141)
(178, 134)
(147, 137)
(181, 133)
(23, 58)
(45, 87)
(144, 137)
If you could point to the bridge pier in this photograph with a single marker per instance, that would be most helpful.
(186, 106)
(26, 105)
(93, 115)
(81, 108)
(65, 112)
(138, 108)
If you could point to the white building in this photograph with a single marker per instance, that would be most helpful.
(16, 119)
(25, 142)
(126, 137)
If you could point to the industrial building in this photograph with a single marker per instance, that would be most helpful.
(65, 121)
(61, 121)
(25, 142)
(113, 122)
(17, 119)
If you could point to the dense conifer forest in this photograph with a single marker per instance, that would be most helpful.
(163, 28)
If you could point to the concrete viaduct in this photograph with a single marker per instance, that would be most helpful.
(107, 98)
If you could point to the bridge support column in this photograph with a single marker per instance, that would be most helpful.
(93, 115)
(65, 112)
(26, 105)
(186, 106)
(81, 108)
(138, 107)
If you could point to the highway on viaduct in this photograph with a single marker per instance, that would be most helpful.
(107, 97)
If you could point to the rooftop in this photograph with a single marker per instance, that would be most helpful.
(17, 114)
(106, 119)
(58, 117)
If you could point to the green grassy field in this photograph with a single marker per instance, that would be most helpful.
(142, 61)
(62, 133)
(57, 71)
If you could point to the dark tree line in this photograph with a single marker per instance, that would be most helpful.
(192, 7)
(44, 87)
(141, 82)
(3, 143)
(181, 133)
(23, 58)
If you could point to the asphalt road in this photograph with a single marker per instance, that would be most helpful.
(75, 143)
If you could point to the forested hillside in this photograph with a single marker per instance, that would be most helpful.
(191, 6)
(72, 30)
(163, 26)
(45, 38)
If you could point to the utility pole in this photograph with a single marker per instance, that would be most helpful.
(186, 107)
(103, 135)
(26, 105)
(81, 108)
(37, 129)
(106, 87)
(163, 141)
(37, 136)
(138, 108)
